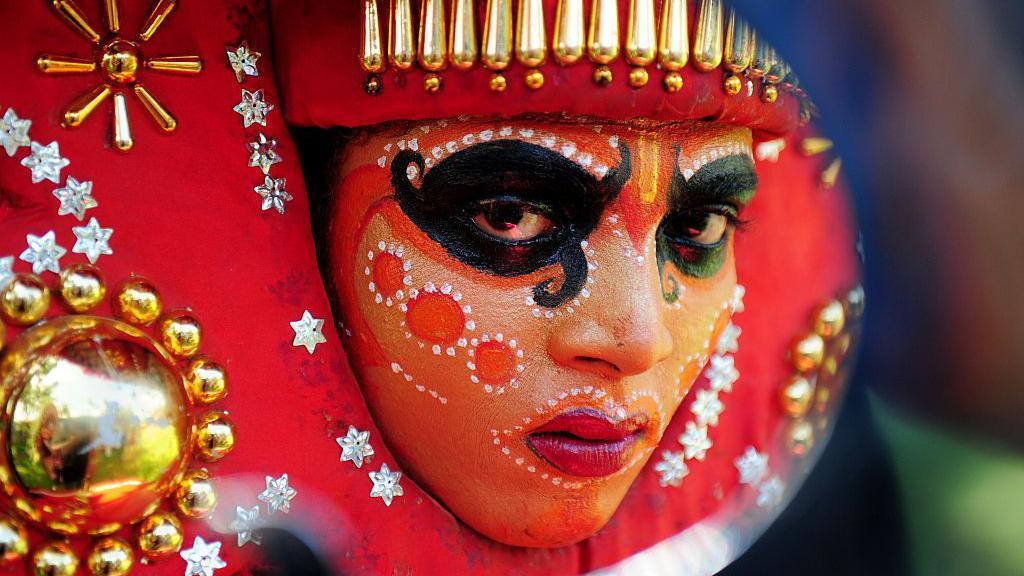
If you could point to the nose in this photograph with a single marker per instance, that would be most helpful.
(620, 330)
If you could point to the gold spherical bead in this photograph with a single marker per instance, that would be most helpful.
(432, 83)
(54, 559)
(807, 352)
(829, 320)
(800, 437)
(180, 333)
(673, 82)
(732, 85)
(822, 399)
(602, 75)
(769, 94)
(373, 84)
(498, 82)
(829, 367)
(855, 302)
(24, 300)
(138, 302)
(534, 79)
(207, 382)
(796, 395)
(110, 557)
(195, 496)
(638, 77)
(215, 436)
(159, 535)
(13, 541)
(82, 287)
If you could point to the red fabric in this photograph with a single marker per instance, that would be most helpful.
(186, 217)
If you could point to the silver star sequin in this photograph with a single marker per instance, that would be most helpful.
(13, 132)
(246, 525)
(722, 373)
(386, 484)
(6, 270)
(308, 332)
(695, 441)
(769, 493)
(752, 466)
(45, 162)
(202, 558)
(92, 240)
(728, 341)
(355, 446)
(252, 108)
(273, 193)
(263, 153)
(75, 198)
(278, 494)
(672, 469)
(243, 61)
(43, 253)
(707, 407)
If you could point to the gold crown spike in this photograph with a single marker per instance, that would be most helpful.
(739, 44)
(55, 64)
(707, 36)
(570, 31)
(673, 37)
(641, 33)
(773, 67)
(401, 41)
(175, 64)
(80, 109)
(760, 63)
(164, 121)
(531, 38)
(497, 51)
(122, 129)
(72, 15)
(433, 49)
(160, 11)
(603, 36)
(113, 18)
(371, 46)
(462, 35)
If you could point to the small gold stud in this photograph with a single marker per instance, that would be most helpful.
(807, 353)
(180, 333)
(82, 287)
(432, 83)
(732, 85)
(159, 535)
(769, 94)
(829, 320)
(55, 559)
(602, 75)
(24, 300)
(498, 82)
(215, 436)
(13, 540)
(814, 146)
(830, 175)
(800, 438)
(137, 302)
(534, 79)
(796, 395)
(207, 382)
(373, 84)
(855, 302)
(195, 496)
(638, 77)
(110, 557)
(673, 82)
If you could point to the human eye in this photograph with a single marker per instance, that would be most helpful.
(511, 219)
(702, 228)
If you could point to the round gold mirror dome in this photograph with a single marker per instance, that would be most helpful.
(96, 429)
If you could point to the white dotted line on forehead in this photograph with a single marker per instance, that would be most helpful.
(691, 165)
(397, 369)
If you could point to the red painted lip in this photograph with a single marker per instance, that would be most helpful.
(585, 442)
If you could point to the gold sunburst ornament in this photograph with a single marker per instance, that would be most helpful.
(119, 61)
(104, 429)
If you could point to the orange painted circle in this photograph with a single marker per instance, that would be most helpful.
(494, 362)
(388, 273)
(436, 318)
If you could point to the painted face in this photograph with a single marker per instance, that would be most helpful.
(527, 303)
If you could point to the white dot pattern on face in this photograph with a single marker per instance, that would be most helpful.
(398, 251)
(397, 369)
(576, 303)
(514, 348)
(690, 166)
(448, 290)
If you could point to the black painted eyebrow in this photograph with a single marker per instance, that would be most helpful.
(728, 180)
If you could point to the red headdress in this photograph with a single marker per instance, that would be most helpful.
(188, 379)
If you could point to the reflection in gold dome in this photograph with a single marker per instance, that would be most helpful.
(97, 426)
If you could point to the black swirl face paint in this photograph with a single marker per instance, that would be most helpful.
(451, 194)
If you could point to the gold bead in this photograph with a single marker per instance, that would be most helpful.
(195, 496)
(534, 79)
(82, 287)
(110, 557)
(830, 175)
(498, 82)
(638, 77)
(796, 395)
(807, 353)
(815, 145)
(13, 541)
(855, 302)
(829, 320)
(673, 82)
(24, 300)
(432, 83)
(373, 84)
(180, 333)
(822, 399)
(159, 535)
(602, 75)
(800, 437)
(829, 367)
(769, 94)
(215, 436)
(206, 381)
(55, 559)
(732, 85)
(138, 302)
